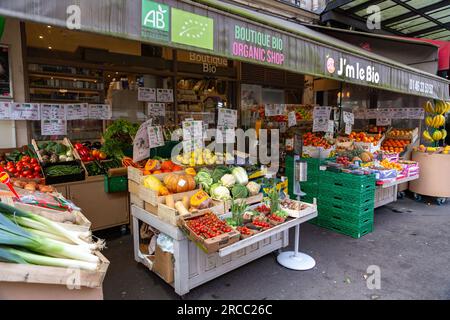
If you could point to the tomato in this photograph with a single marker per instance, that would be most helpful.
(37, 175)
(102, 155)
(37, 168)
(22, 176)
(95, 153)
(26, 159)
(11, 170)
(30, 176)
(27, 172)
(9, 164)
(19, 167)
(34, 161)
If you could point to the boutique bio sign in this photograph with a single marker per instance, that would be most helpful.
(256, 45)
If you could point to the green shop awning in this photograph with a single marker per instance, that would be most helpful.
(224, 29)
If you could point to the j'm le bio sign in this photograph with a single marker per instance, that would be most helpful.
(256, 45)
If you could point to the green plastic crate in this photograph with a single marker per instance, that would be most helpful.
(346, 228)
(116, 184)
(357, 197)
(313, 164)
(337, 215)
(347, 206)
(346, 180)
(308, 198)
(310, 189)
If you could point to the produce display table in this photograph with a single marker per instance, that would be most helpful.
(387, 192)
(193, 267)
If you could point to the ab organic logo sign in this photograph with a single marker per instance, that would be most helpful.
(155, 20)
(192, 29)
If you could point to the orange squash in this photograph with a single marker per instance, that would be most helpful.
(177, 183)
(191, 172)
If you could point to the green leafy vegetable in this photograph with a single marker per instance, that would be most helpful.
(118, 137)
(239, 192)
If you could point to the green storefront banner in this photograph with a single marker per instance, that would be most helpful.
(223, 29)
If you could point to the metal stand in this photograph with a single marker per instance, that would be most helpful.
(296, 260)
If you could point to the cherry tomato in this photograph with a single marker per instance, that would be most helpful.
(37, 168)
(11, 170)
(26, 159)
(30, 176)
(26, 172)
(10, 164)
(34, 161)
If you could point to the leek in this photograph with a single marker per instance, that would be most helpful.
(19, 256)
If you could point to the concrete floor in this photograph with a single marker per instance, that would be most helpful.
(410, 244)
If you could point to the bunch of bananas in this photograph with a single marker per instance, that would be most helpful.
(441, 107)
(436, 136)
(436, 121)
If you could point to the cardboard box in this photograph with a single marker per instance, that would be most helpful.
(163, 265)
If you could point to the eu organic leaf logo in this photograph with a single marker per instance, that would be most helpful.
(193, 28)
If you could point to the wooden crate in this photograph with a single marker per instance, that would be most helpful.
(133, 188)
(27, 273)
(135, 200)
(250, 200)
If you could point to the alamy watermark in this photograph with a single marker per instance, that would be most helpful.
(73, 21)
(373, 280)
(374, 17)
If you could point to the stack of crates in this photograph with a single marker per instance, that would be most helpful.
(346, 203)
(311, 186)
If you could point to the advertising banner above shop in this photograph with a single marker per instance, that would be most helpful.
(238, 34)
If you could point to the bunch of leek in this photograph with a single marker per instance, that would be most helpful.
(29, 238)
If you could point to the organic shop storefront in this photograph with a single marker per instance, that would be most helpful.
(206, 44)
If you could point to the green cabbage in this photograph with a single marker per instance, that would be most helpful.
(219, 172)
(240, 175)
(239, 192)
(204, 179)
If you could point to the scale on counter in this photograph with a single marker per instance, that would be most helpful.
(296, 260)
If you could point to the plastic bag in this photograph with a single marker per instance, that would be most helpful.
(165, 243)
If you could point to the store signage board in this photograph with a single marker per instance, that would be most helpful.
(348, 117)
(155, 21)
(147, 94)
(383, 122)
(5, 110)
(192, 29)
(155, 136)
(416, 113)
(141, 145)
(52, 127)
(257, 44)
(164, 95)
(77, 111)
(227, 118)
(100, 111)
(25, 111)
(53, 112)
(292, 119)
(156, 109)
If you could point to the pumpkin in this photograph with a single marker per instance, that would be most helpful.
(200, 200)
(177, 183)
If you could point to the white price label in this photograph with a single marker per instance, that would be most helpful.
(155, 136)
(77, 111)
(164, 95)
(330, 128)
(156, 109)
(383, 122)
(371, 114)
(227, 118)
(292, 119)
(348, 128)
(147, 94)
(416, 113)
(25, 111)
(5, 110)
(100, 111)
(348, 117)
(53, 112)
(53, 127)
(320, 124)
(322, 112)
(141, 145)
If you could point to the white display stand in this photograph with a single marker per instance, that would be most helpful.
(194, 267)
(387, 193)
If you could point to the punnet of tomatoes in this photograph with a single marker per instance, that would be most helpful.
(276, 218)
(25, 168)
(263, 209)
(245, 231)
(261, 224)
(87, 154)
(208, 226)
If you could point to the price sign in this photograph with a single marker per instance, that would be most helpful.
(225, 135)
(77, 111)
(383, 122)
(360, 114)
(156, 109)
(100, 111)
(53, 112)
(371, 114)
(141, 145)
(322, 112)
(348, 117)
(292, 119)
(147, 94)
(227, 118)
(348, 128)
(416, 113)
(164, 95)
(385, 113)
(330, 128)
(5, 110)
(320, 125)
(209, 118)
(25, 111)
(53, 127)
(283, 127)
(155, 136)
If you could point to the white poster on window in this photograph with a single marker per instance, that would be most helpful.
(192, 130)
(53, 127)
(147, 94)
(225, 135)
(348, 117)
(100, 111)
(348, 128)
(5, 110)
(292, 119)
(53, 112)
(77, 111)
(164, 95)
(156, 109)
(227, 118)
(25, 111)
(322, 112)
(320, 124)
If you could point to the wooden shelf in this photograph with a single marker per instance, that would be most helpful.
(67, 76)
(53, 89)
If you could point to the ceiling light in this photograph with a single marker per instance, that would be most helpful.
(41, 37)
(50, 48)
(63, 90)
(49, 27)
